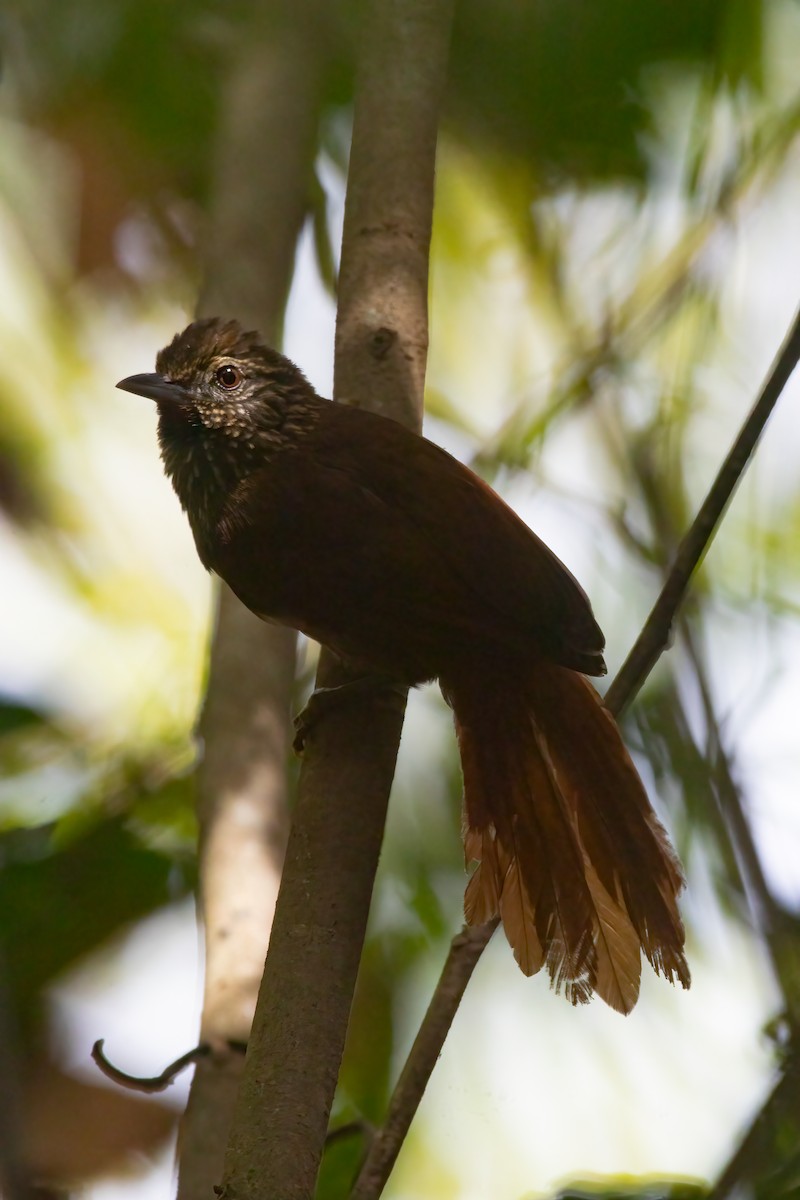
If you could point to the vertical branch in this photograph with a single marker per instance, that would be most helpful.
(264, 163)
(382, 319)
(281, 1117)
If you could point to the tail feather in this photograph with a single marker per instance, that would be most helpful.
(519, 921)
(619, 958)
(569, 851)
(531, 867)
(622, 836)
(485, 884)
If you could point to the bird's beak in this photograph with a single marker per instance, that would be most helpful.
(156, 387)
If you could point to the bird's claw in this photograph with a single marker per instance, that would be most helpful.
(323, 699)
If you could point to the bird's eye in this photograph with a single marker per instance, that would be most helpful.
(228, 377)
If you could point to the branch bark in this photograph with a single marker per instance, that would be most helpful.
(647, 649)
(295, 1049)
(264, 166)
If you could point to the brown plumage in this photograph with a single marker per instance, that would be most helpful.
(380, 545)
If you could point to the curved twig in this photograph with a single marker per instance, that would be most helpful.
(154, 1083)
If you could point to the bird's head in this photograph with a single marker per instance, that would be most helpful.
(216, 376)
(226, 403)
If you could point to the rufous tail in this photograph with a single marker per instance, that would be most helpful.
(569, 850)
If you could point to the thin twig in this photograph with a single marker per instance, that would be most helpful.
(729, 810)
(465, 951)
(152, 1083)
(777, 927)
(653, 639)
(646, 651)
(729, 800)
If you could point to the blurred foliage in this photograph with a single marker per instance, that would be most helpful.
(81, 893)
(649, 1190)
(558, 86)
(121, 849)
(554, 89)
(600, 166)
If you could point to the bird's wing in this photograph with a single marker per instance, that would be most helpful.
(473, 536)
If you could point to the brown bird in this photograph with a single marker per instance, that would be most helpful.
(381, 546)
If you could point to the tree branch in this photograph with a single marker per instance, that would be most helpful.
(262, 174)
(646, 651)
(148, 1083)
(281, 1116)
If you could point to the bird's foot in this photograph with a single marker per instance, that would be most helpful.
(323, 699)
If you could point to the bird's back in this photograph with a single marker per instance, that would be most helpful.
(378, 543)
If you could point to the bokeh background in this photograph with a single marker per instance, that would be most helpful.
(616, 259)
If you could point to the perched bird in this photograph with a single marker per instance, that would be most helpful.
(380, 545)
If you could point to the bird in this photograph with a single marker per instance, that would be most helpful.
(378, 544)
